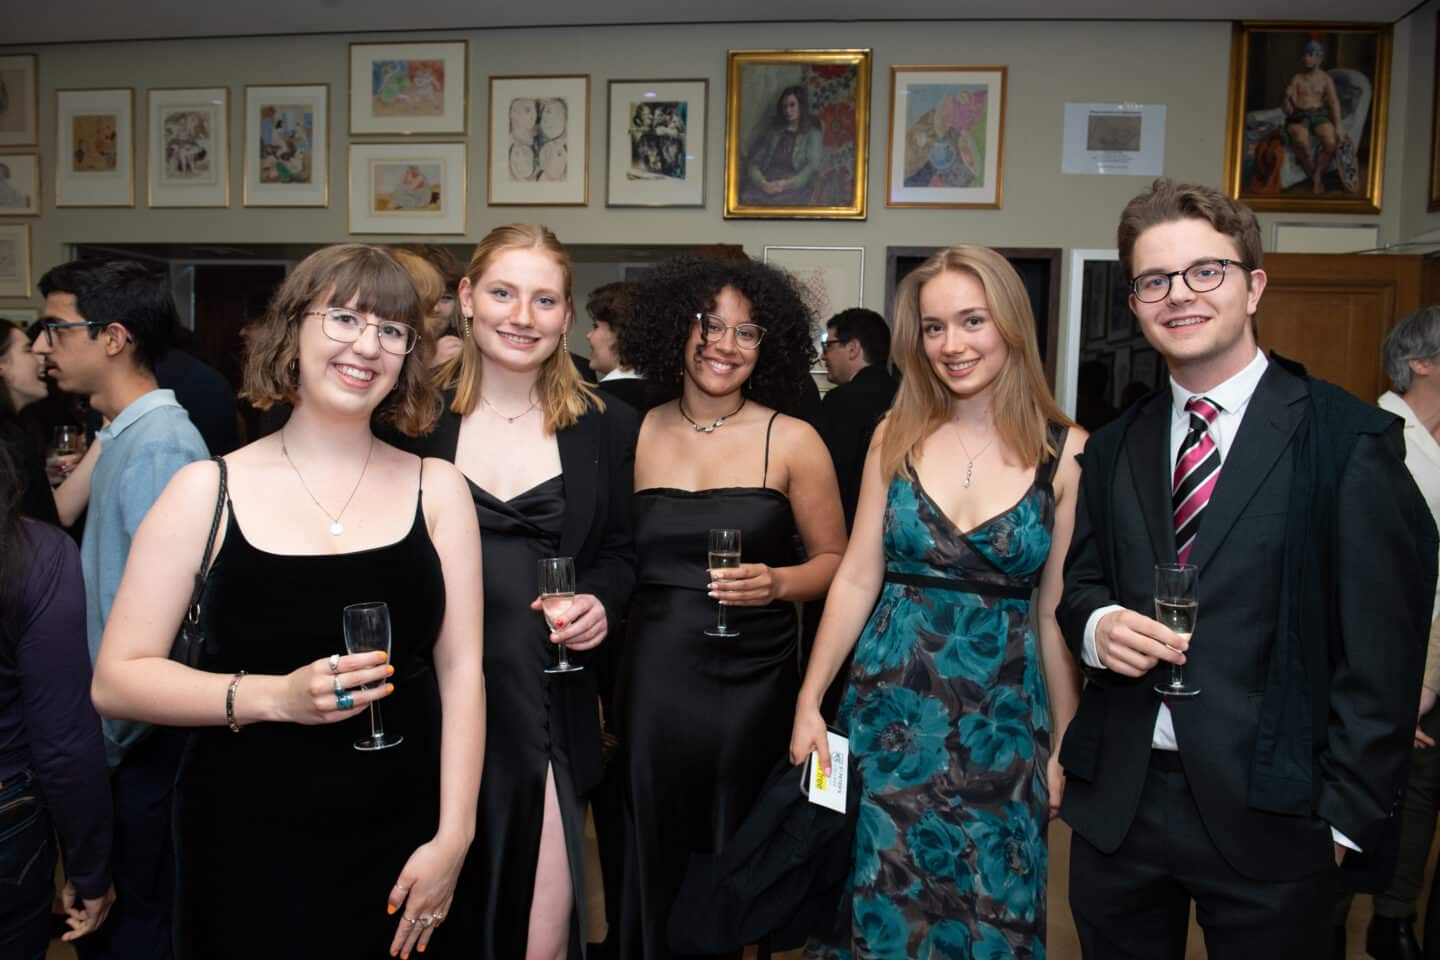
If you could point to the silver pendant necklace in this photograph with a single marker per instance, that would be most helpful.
(710, 427)
(970, 467)
(502, 416)
(336, 527)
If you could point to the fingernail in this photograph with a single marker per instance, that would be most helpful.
(420, 947)
(712, 594)
(389, 671)
(389, 688)
(710, 586)
(390, 908)
(394, 953)
(559, 623)
(383, 656)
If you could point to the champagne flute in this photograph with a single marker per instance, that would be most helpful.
(557, 593)
(367, 630)
(1177, 605)
(724, 555)
(66, 440)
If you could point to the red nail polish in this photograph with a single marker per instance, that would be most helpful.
(559, 623)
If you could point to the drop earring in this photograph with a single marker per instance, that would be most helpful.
(293, 368)
(465, 319)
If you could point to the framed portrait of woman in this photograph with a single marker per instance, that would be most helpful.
(796, 128)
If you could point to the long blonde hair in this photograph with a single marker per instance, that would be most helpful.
(1023, 403)
(564, 395)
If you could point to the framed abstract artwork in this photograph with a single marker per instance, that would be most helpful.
(287, 145)
(656, 155)
(19, 101)
(797, 127)
(15, 260)
(540, 141)
(19, 184)
(407, 188)
(189, 155)
(95, 148)
(947, 137)
(408, 88)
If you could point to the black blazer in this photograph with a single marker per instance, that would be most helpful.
(1317, 563)
(851, 412)
(638, 392)
(597, 460)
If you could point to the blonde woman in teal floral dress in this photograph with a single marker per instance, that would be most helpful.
(961, 686)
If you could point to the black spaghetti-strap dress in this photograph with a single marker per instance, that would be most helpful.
(704, 719)
(289, 839)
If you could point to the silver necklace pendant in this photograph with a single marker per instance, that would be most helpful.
(969, 472)
(337, 528)
(709, 429)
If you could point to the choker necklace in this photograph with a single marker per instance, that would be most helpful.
(719, 421)
(533, 404)
(970, 467)
(336, 527)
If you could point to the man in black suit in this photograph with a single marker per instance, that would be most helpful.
(1316, 559)
(855, 353)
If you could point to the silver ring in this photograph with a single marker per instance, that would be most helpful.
(339, 687)
(409, 920)
(334, 663)
(344, 701)
(427, 921)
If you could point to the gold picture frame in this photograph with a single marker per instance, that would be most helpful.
(20, 116)
(416, 88)
(95, 147)
(15, 260)
(308, 107)
(825, 176)
(188, 147)
(407, 188)
(1287, 82)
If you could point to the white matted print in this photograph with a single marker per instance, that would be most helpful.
(19, 101)
(540, 141)
(656, 155)
(407, 188)
(95, 148)
(1114, 138)
(832, 278)
(189, 155)
(287, 146)
(408, 88)
(19, 184)
(947, 136)
(15, 260)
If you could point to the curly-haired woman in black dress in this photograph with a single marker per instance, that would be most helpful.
(705, 718)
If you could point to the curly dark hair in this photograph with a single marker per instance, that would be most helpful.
(664, 302)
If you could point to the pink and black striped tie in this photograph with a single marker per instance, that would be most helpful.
(1196, 470)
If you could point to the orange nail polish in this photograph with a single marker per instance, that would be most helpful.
(390, 909)
(383, 655)
(389, 671)
(404, 956)
(389, 688)
(420, 947)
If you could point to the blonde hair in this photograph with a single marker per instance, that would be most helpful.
(564, 395)
(429, 285)
(1023, 405)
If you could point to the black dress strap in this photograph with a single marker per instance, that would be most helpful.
(982, 587)
(768, 427)
(1056, 434)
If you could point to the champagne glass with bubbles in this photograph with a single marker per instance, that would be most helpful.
(557, 593)
(1177, 604)
(367, 630)
(724, 555)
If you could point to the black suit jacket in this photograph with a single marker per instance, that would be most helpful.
(638, 392)
(1317, 564)
(597, 460)
(851, 411)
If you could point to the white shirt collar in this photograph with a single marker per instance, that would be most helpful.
(621, 373)
(1232, 395)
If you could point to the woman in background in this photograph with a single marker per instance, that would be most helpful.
(21, 384)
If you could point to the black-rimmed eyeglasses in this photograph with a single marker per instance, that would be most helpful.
(347, 326)
(48, 327)
(1202, 276)
(712, 328)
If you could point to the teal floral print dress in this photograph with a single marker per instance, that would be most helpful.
(949, 730)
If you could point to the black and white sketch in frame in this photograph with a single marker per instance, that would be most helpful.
(538, 135)
(657, 140)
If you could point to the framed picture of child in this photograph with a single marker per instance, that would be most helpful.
(1307, 120)
(407, 188)
(657, 135)
(540, 141)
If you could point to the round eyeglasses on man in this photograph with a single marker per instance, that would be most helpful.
(1202, 276)
(346, 326)
(712, 328)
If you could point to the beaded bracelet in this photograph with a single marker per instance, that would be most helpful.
(230, 702)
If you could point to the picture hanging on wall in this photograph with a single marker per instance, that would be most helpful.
(287, 146)
(1435, 126)
(1307, 123)
(407, 188)
(189, 156)
(19, 184)
(796, 129)
(833, 279)
(15, 260)
(947, 137)
(408, 88)
(656, 140)
(95, 148)
(19, 101)
(540, 141)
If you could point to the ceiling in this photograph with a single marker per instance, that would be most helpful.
(65, 21)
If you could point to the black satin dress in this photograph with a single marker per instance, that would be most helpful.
(288, 839)
(704, 719)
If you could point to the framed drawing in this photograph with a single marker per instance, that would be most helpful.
(1307, 122)
(19, 101)
(540, 141)
(189, 157)
(833, 279)
(95, 148)
(407, 188)
(287, 146)
(797, 125)
(15, 260)
(946, 138)
(1435, 126)
(19, 184)
(656, 143)
(408, 88)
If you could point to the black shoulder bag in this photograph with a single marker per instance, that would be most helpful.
(191, 647)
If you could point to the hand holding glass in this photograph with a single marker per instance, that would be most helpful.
(1177, 606)
(724, 555)
(557, 593)
(367, 630)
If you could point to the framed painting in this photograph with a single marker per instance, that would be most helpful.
(1435, 126)
(15, 260)
(189, 155)
(656, 143)
(19, 101)
(946, 138)
(19, 184)
(287, 145)
(540, 141)
(408, 88)
(407, 188)
(832, 278)
(95, 148)
(1307, 122)
(797, 125)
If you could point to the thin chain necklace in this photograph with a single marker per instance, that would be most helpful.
(499, 413)
(970, 467)
(719, 421)
(336, 527)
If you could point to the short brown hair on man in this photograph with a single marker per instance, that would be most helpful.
(1167, 201)
(371, 280)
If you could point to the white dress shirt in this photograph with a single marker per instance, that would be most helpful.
(1422, 459)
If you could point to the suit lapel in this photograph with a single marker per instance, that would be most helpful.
(580, 466)
(1148, 447)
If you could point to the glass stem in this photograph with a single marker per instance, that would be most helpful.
(377, 728)
(720, 618)
(1177, 676)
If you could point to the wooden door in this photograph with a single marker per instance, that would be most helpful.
(1331, 312)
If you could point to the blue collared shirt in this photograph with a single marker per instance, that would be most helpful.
(140, 451)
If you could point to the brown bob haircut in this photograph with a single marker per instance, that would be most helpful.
(1167, 201)
(372, 281)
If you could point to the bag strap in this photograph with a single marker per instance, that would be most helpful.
(198, 593)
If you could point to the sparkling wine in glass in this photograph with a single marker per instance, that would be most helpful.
(724, 555)
(66, 440)
(557, 593)
(367, 630)
(1177, 605)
